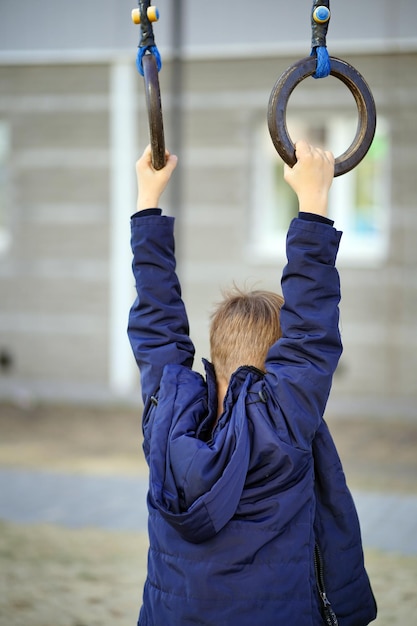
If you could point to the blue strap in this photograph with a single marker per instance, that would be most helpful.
(323, 61)
(147, 42)
(320, 17)
(142, 51)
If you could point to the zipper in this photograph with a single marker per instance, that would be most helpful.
(328, 614)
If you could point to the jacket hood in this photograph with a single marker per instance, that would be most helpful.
(196, 482)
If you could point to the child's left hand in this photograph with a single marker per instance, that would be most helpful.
(311, 177)
(152, 182)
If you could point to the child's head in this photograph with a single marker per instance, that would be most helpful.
(243, 328)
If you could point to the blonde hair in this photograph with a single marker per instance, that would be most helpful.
(243, 328)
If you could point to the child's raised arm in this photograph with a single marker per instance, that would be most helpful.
(301, 364)
(152, 182)
(311, 177)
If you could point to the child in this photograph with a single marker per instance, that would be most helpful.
(250, 519)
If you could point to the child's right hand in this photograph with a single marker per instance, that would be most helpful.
(152, 182)
(311, 177)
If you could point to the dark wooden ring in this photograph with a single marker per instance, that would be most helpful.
(154, 107)
(360, 90)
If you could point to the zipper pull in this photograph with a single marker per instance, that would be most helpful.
(329, 614)
(324, 599)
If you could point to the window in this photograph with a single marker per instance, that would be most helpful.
(358, 202)
(4, 154)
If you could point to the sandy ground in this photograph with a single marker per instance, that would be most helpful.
(53, 576)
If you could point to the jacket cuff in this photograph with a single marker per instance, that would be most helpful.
(146, 212)
(314, 217)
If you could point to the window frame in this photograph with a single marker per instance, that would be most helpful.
(5, 146)
(366, 248)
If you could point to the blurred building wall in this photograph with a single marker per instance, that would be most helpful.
(73, 119)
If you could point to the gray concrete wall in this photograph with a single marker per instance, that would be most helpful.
(54, 278)
(378, 305)
(210, 28)
(55, 287)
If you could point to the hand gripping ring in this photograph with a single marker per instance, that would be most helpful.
(154, 107)
(360, 90)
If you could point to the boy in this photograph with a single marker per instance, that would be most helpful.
(250, 519)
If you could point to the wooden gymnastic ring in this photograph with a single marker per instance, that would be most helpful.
(154, 107)
(277, 110)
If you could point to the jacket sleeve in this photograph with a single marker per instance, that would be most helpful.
(158, 326)
(300, 366)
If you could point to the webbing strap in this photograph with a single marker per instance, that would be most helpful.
(320, 17)
(147, 41)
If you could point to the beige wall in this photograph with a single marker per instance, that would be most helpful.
(378, 305)
(54, 278)
(54, 282)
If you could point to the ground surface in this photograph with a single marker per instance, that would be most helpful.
(53, 576)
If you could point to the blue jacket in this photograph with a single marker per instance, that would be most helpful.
(236, 513)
